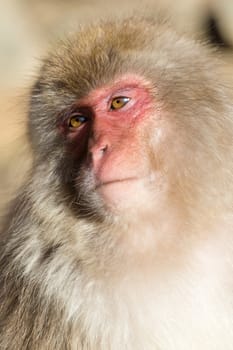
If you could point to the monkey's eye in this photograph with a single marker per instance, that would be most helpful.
(76, 120)
(119, 102)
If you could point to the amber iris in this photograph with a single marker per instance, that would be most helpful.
(76, 120)
(119, 102)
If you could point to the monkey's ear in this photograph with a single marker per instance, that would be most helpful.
(214, 34)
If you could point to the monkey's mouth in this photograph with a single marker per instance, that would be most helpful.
(121, 191)
(116, 181)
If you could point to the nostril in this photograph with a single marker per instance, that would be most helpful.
(97, 153)
(104, 148)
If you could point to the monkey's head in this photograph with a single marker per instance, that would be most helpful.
(126, 120)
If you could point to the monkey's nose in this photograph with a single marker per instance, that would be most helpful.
(98, 152)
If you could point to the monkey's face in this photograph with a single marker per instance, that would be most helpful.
(119, 123)
(106, 133)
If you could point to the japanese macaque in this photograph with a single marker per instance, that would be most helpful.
(122, 236)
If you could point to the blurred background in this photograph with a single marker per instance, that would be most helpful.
(28, 27)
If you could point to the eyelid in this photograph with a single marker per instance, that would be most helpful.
(122, 92)
(66, 116)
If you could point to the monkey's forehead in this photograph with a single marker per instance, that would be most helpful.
(98, 53)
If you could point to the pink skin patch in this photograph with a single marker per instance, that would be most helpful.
(113, 144)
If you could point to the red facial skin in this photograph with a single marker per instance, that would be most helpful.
(113, 147)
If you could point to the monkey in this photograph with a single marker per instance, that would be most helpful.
(122, 235)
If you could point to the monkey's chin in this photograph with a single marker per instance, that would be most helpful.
(128, 193)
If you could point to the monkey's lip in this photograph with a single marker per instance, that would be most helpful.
(116, 181)
(122, 192)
